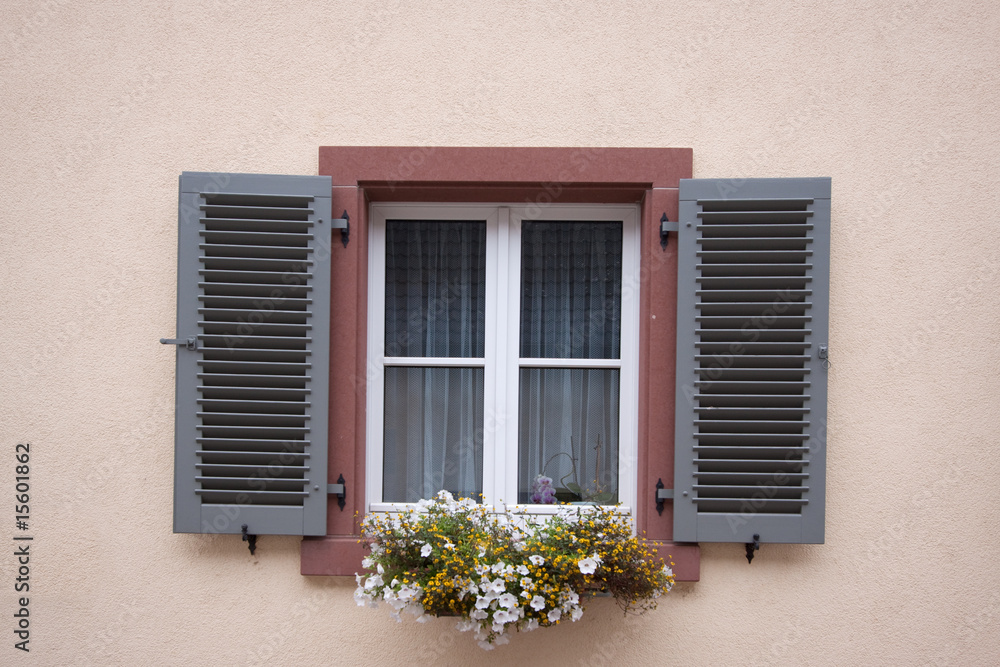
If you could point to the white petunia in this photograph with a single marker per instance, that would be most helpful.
(426, 550)
(576, 614)
(498, 586)
(526, 582)
(537, 560)
(597, 558)
(531, 625)
(477, 614)
(522, 569)
(554, 615)
(449, 545)
(507, 601)
(482, 602)
(587, 565)
(538, 603)
(367, 562)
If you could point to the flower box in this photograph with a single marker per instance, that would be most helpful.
(506, 572)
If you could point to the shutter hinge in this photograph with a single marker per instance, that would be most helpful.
(190, 342)
(340, 490)
(665, 228)
(662, 494)
(343, 223)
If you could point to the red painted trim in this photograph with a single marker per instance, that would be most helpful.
(396, 166)
(686, 559)
(332, 556)
(648, 176)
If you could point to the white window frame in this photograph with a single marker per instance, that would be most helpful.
(502, 362)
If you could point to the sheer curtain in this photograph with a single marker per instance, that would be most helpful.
(570, 309)
(435, 307)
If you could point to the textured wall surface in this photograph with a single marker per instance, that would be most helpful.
(105, 103)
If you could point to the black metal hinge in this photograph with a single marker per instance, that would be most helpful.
(340, 490)
(665, 228)
(662, 495)
(343, 223)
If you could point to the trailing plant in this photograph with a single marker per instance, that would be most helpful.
(503, 572)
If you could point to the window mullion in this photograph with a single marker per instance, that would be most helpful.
(494, 425)
(510, 276)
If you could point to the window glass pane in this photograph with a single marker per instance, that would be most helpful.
(568, 431)
(435, 288)
(571, 284)
(433, 432)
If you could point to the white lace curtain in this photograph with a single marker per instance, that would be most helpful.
(435, 307)
(570, 309)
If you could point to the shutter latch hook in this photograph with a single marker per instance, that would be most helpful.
(752, 547)
(251, 540)
(824, 355)
(190, 342)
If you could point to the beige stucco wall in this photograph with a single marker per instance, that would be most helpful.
(104, 103)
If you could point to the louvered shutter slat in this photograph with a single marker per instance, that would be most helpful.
(753, 269)
(253, 287)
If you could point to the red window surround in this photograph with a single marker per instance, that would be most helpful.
(648, 176)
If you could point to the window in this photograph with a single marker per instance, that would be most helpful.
(507, 343)
(274, 432)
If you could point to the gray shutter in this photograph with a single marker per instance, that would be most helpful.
(752, 322)
(254, 293)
